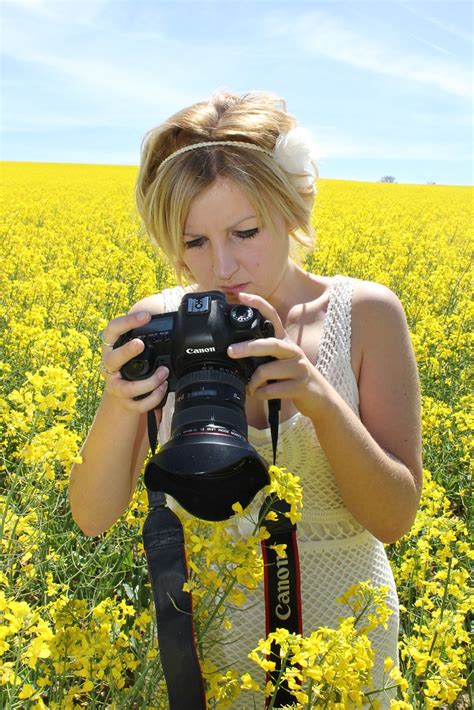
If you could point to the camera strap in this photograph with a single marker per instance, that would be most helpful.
(166, 556)
(282, 585)
(282, 588)
(163, 540)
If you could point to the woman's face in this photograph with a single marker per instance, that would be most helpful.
(225, 248)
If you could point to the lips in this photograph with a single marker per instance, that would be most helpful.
(236, 288)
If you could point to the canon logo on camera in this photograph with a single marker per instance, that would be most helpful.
(198, 351)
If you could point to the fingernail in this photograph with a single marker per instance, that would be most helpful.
(234, 349)
(142, 316)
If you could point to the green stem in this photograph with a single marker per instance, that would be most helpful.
(443, 604)
(277, 684)
(233, 581)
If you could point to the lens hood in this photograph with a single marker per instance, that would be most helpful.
(207, 473)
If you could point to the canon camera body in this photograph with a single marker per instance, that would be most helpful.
(208, 464)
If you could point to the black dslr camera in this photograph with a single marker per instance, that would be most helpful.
(208, 463)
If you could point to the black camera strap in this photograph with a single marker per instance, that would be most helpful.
(163, 540)
(282, 585)
(274, 406)
(282, 588)
(166, 556)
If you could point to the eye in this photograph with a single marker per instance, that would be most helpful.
(198, 242)
(248, 234)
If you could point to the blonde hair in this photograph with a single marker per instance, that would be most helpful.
(163, 196)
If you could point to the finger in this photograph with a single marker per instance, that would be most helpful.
(266, 309)
(120, 325)
(126, 389)
(276, 370)
(264, 347)
(114, 360)
(149, 402)
(283, 389)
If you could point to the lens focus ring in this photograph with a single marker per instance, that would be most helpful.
(208, 375)
(205, 415)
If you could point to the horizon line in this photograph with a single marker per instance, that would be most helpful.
(136, 166)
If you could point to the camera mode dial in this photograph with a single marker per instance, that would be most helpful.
(242, 315)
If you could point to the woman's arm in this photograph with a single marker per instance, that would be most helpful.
(376, 460)
(102, 486)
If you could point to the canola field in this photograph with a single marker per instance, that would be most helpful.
(77, 624)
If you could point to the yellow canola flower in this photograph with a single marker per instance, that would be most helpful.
(26, 692)
(248, 683)
(74, 257)
(279, 549)
(286, 485)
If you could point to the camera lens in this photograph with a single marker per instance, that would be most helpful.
(209, 400)
(208, 463)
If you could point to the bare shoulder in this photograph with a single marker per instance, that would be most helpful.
(375, 308)
(377, 317)
(372, 295)
(388, 381)
(152, 304)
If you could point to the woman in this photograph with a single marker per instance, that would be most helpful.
(225, 190)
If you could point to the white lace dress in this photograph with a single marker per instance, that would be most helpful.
(335, 551)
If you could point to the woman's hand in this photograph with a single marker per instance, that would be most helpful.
(113, 360)
(294, 376)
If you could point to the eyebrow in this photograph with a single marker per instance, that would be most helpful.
(244, 219)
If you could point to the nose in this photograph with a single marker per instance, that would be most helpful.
(224, 263)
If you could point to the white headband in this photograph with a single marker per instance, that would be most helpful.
(294, 151)
(193, 146)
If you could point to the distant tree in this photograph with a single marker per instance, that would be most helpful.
(387, 178)
(431, 182)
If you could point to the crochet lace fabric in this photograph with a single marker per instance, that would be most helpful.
(335, 550)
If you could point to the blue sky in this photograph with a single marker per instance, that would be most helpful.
(385, 86)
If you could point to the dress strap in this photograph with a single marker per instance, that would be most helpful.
(334, 359)
(336, 335)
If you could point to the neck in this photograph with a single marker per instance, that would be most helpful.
(289, 290)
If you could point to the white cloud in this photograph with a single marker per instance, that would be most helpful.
(77, 12)
(436, 47)
(121, 86)
(318, 33)
(447, 27)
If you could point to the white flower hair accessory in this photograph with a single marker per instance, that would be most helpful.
(296, 153)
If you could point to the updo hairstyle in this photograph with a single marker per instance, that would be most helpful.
(164, 196)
